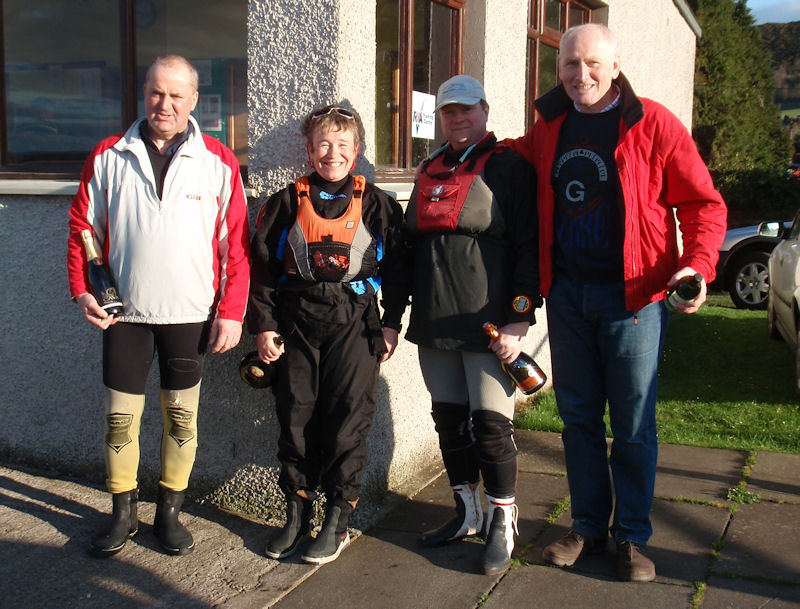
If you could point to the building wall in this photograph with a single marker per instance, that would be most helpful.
(657, 50)
(495, 55)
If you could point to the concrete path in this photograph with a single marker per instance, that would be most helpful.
(710, 552)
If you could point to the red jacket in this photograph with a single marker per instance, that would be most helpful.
(659, 170)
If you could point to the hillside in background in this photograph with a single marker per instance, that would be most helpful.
(783, 42)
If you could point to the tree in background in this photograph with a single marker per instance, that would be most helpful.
(736, 123)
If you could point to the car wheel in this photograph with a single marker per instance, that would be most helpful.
(748, 280)
(772, 329)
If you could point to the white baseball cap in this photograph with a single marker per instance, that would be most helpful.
(460, 89)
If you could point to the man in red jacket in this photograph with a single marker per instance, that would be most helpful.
(614, 171)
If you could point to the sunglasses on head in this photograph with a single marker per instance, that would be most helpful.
(340, 111)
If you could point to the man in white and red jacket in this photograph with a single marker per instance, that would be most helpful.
(614, 171)
(166, 207)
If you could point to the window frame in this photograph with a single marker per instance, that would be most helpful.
(539, 34)
(404, 144)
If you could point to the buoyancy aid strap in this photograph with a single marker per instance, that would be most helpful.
(303, 186)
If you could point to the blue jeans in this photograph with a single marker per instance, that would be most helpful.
(602, 352)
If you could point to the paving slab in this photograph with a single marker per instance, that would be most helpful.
(683, 471)
(683, 537)
(540, 452)
(774, 476)
(726, 593)
(46, 524)
(385, 568)
(389, 555)
(552, 588)
(537, 495)
(698, 473)
(762, 542)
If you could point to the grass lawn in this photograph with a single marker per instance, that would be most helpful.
(722, 383)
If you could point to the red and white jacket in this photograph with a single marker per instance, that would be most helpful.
(181, 258)
(659, 171)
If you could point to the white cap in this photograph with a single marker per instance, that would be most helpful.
(461, 89)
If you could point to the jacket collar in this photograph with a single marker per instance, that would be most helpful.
(133, 140)
(556, 102)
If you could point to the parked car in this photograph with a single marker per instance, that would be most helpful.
(742, 268)
(783, 302)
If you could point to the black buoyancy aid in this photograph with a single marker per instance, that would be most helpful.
(327, 249)
(449, 201)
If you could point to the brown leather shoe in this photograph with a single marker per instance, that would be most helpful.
(632, 563)
(565, 551)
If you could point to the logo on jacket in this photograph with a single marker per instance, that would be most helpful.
(194, 197)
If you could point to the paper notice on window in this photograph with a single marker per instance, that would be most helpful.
(423, 115)
(210, 110)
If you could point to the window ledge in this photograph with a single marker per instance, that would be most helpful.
(38, 187)
(401, 191)
(56, 187)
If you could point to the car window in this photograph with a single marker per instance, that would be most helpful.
(794, 233)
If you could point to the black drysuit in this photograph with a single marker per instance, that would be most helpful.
(325, 386)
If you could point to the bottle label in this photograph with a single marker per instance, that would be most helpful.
(110, 298)
(530, 384)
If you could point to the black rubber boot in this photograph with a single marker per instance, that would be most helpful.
(332, 539)
(174, 538)
(124, 525)
(298, 523)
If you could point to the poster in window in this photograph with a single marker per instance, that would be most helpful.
(210, 109)
(203, 67)
(423, 115)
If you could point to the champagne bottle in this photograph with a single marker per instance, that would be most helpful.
(685, 290)
(103, 286)
(524, 371)
(256, 373)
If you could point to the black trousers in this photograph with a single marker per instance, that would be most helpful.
(325, 392)
(129, 349)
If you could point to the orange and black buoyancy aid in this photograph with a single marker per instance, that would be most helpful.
(451, 198)
(327, 249)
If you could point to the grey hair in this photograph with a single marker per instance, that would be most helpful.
(171, 60)
(608, 35)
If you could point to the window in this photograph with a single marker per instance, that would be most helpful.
(419, 46)
(547, 20)
(73, 72)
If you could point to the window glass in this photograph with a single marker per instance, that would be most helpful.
(63, 73)
(61, 97)
(794, 232)
(387, 82)
(543, 41)
(552, 14)
(431, 48)
(548, 68)
(432, 59)
(577, 15)
(211, 36)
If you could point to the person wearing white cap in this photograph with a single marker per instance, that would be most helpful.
(472, 226)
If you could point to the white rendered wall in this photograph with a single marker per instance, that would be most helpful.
(657, 51)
